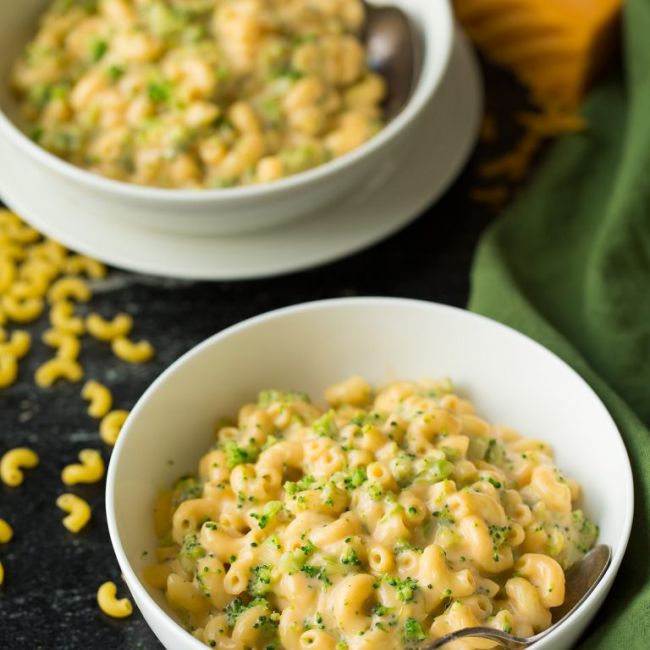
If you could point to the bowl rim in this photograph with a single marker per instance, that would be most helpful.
(135, 583)
(433, 70)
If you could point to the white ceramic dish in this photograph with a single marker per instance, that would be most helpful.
(391, 199)
(512, 380)
(221, 211)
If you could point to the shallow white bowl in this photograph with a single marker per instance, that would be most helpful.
(512, 380)
(218, 211)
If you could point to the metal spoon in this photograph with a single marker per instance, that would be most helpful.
(394, 51)
(581, 579)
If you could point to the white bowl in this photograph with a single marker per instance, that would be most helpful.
(218, 211)
(512, 379)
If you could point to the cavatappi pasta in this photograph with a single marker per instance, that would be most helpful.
(386, 521)
(199, 93)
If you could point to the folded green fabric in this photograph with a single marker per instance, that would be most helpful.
(569, 265)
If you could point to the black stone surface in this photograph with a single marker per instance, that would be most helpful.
(48, 599)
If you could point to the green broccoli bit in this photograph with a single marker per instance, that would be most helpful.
(270, 510)
(317, 572)
(326, 425)
(159, 91)
(236, 607)
(260, 580)
(413, 631)
(98, 49)
(436, 470)
(239, 455)
(380, 610)
(405, 588)
(115, 72)
(298, 159)
(191, 548)
(305, 483)
(294, 561)
(586, 529)
(350, 557)
(356, 478)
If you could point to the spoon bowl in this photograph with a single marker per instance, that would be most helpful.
(394, 51)
(581, 579)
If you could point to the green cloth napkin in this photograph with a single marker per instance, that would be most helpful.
(569, 265)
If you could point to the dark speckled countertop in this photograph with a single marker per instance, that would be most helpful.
(48, 599)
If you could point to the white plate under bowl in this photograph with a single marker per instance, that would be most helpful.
(397, 194)
(511, 379)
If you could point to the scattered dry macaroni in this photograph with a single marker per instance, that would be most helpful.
(19, 344)
(31, 269)
(69, 288)
(91, 469)
(110, 605)
(67, 345)
(58, 368)
(22, 310)
(79, 512)
(8, 369)
(63, 319)
(111, 425)
(13, 462)
(104, 330)
(386, 521)
(6, 532)
(208, 93)
(80, 264)
(131, 352)
(100, 399)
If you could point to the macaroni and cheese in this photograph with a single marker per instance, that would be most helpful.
(199, 93)
(386, 521)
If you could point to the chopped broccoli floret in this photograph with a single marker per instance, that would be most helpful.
(436, 470)
(413, 631)
(405, 588)
(305, 483)
(270, 510)
(326, 425)
(239, 455)
(356, 478)
(260, 580)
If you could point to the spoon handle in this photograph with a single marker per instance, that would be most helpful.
(506, 640)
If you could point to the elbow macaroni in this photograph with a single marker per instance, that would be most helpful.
(388, 520)
(100, 398)
(91, 469)
(78, 510)
(6, 532)
(13, 462)
(68, 346)
(104, 330)
(110, 605)
(131, 352)
(111, 425)
(58, 368)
